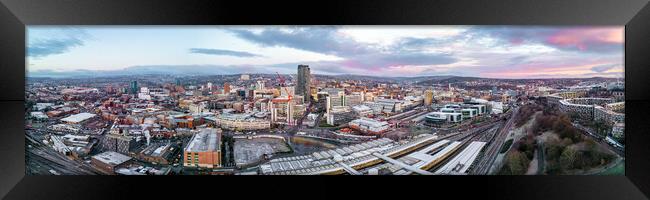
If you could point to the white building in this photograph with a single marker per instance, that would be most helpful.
(369, 126)
(78, 118)
(362, 110)
(38, 115)
(497, 107)
(468, 113)
(242, 122)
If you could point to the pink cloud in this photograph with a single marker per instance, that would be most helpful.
(586, 38)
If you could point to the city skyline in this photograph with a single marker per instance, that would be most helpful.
(396, 51)
(260, 125)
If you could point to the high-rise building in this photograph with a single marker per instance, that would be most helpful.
(428, 97)
(226, 88)
(134, 87)
(303, 83)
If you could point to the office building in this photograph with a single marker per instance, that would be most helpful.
(468, 113)
(303, 82)
(428, 97)
(134, 87)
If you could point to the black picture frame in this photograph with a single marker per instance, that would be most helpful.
(16, 14)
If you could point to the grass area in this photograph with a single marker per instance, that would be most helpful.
(619, 169)
(326, 125)
(506, 146)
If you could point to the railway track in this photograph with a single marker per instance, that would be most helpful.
(489, 155)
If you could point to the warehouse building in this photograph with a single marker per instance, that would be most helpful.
(204, 149)
(108, 161)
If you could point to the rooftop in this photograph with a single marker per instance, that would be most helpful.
(369, 122)
(206, 140)
(76, 118)
(112, 158)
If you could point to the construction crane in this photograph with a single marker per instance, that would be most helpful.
(283, 86)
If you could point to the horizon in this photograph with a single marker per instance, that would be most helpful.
(291, 74)
(497, 52)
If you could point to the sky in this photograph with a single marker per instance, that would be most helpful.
(478, 51)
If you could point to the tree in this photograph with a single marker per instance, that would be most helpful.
(553, 151)
(567, 158)
(517, 162)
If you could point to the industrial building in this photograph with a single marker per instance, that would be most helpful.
(157, 153)
(204, 149)
(108, 161)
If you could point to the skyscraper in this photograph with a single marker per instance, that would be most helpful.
(303, 83)
(428, 97)
(134, 87)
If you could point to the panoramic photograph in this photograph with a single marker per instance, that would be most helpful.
(325, 100)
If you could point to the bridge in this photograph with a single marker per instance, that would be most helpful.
(349, 169)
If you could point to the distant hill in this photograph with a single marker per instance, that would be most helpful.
(206, 70)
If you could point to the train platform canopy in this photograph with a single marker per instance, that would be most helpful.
(463, 161)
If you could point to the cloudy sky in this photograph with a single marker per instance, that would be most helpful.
(482, 51)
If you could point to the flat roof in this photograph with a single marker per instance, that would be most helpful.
(112, 158)
(76, 118)
(461, 163)
(206, 140)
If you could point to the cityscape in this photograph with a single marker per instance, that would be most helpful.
(325, 100)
